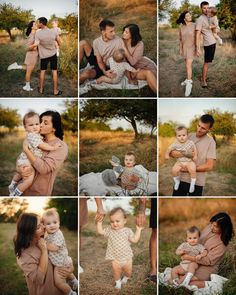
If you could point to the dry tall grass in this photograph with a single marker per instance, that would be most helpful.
(97, 147)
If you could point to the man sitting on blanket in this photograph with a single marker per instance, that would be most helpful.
(97, 55)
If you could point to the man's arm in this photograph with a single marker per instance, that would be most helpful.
(207, 166)
(141, 218)
(102, 67)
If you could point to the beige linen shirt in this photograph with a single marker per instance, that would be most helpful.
(46, 38)
(46, 170)
(106, 49)
(37, 282)
(202, 25)
(206, 149)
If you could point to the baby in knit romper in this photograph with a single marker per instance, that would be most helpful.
(214, 23)
(57, 251)
(118, 247)
(187, 268)
(118, 66)
(31, 123)
(186, 147)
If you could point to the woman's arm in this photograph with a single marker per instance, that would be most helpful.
(180, 42)
(137, 54)
(43, 261)
(47, 147)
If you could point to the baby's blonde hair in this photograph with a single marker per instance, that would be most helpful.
(28, 115)
(119, 55)
(181, 127)
(193, 229)
(117, 209)
(50, 212)
(213, 10)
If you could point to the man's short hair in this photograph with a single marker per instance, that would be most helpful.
(43, 20)
(105, 23)
(207, 119)
(204, 3)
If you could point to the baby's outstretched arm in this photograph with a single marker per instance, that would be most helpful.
(46, 147)
(137, 235)
(100, 229)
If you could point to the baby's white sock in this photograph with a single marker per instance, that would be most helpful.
(124, 280)
(17, 193)
(187, 279)
(12, 184)
(177, 182)
(118, 284)
(74, 284)
(192, 185)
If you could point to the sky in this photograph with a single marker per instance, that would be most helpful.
(183, 110)
(38, 105)
(46, 7)
(36, 204)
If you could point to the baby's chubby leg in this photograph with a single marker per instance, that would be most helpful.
(26, 181)
(175, 273)
(104, 79)
(117, 269)
(127, 269)
(190, 273)
(60, 282)
(175, 173)
(191, 166)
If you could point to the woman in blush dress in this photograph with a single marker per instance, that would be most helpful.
(134, 49)
(187, 47)
(31, 57)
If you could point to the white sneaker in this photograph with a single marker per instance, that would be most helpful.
(183, 83)
(13, 66)
(118, 285)
(188, 87)
(27, 88)
(81, 269)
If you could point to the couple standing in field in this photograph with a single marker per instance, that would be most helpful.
(206, 25)
(113, 57)
(42, 42)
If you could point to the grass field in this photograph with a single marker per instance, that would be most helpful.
(221, 75)
(97, 147)
(12, 280)
(219, 182)
(66, 182)
(175, 215)
(11, 82)
(141, 12)
(97, 278)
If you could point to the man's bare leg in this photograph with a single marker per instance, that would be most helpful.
(204, 74)
(41, 81)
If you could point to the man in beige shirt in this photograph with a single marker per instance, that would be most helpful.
(209, 41)
(98, 54)
(46, 39)
(206, 156)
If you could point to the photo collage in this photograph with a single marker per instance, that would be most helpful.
(117, 147)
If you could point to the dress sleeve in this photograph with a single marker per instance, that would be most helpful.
(34, 139)
(29, 265)
(181, 247)
(213, 255)
(58, 239)
(130, 233)
(52, 161)
(137, 54)
(107, 231)
(129, 68)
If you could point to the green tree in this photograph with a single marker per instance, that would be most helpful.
(227, 15)
(70, 115)
(10, 209)
(13, 17)
(68, 211)
(164, 7)
(70, 23)
(133, 111)
(134, 202)
(9, 118)
(185, 5)
(167, 129)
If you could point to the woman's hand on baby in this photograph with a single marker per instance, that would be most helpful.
(25, 171)
(65, 271)
(42, 244)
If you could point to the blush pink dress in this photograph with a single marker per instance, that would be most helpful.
(187, 35)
